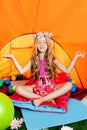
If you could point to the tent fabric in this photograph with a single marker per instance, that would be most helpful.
(22, 47)
(66, 19)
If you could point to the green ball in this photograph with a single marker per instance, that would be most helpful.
(10, 91)
(1, 83)
(6, 111)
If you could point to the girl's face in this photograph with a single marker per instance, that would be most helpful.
(42, 45)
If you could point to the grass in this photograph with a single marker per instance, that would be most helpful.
(81, 125)
(18, 114)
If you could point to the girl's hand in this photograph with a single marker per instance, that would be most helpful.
(80, 54)
(8, 55)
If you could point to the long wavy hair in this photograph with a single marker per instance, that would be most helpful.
(49, 58)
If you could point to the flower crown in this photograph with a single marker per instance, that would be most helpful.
(42, 34)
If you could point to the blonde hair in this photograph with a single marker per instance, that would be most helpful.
(50, 66)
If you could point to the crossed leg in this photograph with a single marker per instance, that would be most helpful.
(26, 92)
(57, 93)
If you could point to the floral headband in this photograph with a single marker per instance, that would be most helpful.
(42, 34)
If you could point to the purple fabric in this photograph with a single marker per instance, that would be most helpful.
(42, 65)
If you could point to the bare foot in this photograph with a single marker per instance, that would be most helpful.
(37, 102)
(53, 101)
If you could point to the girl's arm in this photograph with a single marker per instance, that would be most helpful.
(70, 67)
(18, 66)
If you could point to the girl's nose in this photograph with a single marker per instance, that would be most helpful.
(42, 43)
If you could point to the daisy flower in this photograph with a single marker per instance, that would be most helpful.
(16, 123)
(66, 128)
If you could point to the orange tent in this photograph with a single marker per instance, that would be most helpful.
(66, 19)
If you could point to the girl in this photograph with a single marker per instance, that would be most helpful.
(43, 66)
